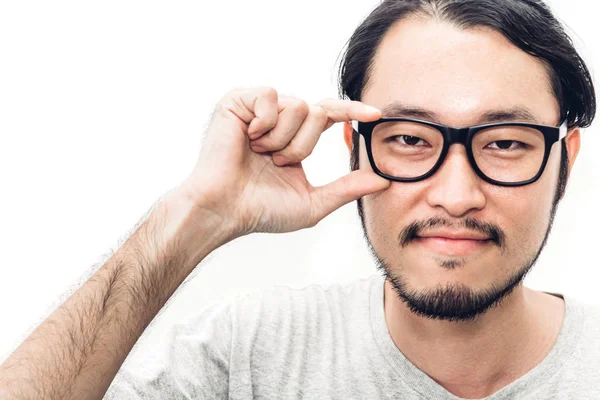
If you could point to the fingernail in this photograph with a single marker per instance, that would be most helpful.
(372, 109)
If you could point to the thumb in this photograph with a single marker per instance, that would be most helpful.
(348, 188)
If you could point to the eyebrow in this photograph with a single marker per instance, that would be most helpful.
(514, 114)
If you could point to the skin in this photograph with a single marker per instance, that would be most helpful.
(259, 140)
(468, 73)
(66, 356)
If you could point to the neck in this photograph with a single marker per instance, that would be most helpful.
(477, 358)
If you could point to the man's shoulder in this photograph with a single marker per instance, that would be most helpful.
(285, 320)
(582, 347)
(277, 296)
(285, 305)
(586, 312)
(585, 324)
(591, 319)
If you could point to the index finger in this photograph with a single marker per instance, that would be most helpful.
(348, 110)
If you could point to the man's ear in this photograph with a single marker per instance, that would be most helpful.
(573, 143)
(348, 135)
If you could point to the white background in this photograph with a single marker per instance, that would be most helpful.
(102, 106)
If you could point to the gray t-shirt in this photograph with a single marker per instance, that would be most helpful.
(333, 343)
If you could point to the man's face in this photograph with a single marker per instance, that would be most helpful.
(458, 75)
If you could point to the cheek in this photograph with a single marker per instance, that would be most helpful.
(390, 211)
(524, 212)
(513, 210)
(384, 219)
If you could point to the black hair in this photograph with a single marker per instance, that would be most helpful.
(528, 24)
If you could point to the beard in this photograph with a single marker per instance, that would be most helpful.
(453, 302)
(457, 302)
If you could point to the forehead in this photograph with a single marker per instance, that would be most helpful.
(458, 74)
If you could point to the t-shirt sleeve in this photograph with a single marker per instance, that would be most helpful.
(191, 361)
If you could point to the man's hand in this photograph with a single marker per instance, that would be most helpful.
(249, 171)
(248, 178)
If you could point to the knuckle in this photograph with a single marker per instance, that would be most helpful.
(319, 113)
(301, 107)
(278, 142)
(273, 141)
(267, 91)
(231, 94)
(230, 101)
(326, 102)
(294, 154)
(297, 153)
(271, 118)
(223, 107)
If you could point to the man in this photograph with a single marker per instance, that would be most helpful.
(458, 170)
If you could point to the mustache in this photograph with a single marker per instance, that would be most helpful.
(414, 229)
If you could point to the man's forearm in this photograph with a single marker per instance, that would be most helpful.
(77, 351)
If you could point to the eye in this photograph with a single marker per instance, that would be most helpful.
(412, 141)
(507, 145)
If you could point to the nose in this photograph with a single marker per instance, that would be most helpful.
(455, 186)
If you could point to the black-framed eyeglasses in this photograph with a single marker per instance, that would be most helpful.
(504, 154)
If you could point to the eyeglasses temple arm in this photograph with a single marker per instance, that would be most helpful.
(563, 129)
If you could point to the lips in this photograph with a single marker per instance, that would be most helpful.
(458, 245)
(455, 235)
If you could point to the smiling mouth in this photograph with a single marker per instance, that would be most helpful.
(453, 247)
